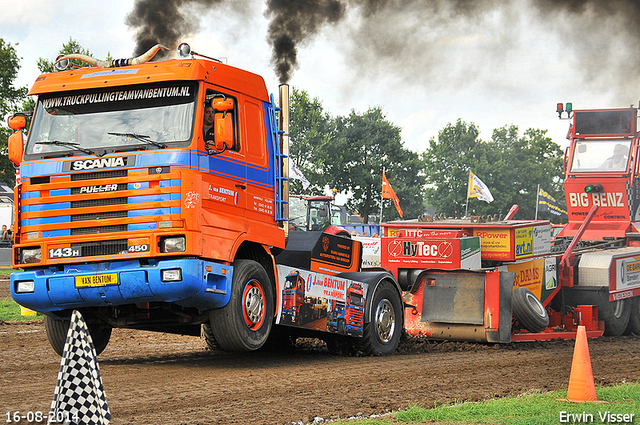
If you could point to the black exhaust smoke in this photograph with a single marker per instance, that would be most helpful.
(598, 33)
(291, 23)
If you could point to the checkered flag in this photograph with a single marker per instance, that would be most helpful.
(79, 397)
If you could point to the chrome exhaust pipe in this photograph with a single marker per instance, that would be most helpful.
(284, 146)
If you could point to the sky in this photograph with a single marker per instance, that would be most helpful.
(426, 63)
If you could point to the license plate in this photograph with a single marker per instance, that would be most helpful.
(97, 280)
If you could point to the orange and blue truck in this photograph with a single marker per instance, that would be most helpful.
(139, 211)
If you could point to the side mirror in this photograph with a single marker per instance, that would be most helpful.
(222, 104)
(17, 122)
(223, 130)
(223, 126)
(16, 147)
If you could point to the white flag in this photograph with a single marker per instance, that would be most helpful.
(477, 189)
(295, 173)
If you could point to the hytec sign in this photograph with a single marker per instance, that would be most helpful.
(444, 253)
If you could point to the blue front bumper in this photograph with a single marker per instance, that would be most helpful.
(204, 285)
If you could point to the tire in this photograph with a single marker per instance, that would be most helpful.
(634, 317)
(245, 322)
(57, 330)
(529, 311)
(381, 336)
(616, 318)
(209, 339)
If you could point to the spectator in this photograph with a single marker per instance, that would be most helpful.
(7, 235)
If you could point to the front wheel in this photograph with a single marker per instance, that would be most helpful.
(245, 322)
(57, 330)
(381, 335)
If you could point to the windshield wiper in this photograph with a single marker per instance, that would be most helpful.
(75, 146)
(142, 137)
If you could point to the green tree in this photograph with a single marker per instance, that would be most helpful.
(447, 162)
(512, 167)
(71, 47)
(10, 99)
(310, 130)
(526, 162)
(353, 162)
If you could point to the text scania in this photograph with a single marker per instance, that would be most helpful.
(602, 199)
(90, 164)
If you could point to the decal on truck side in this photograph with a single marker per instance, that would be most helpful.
(321, 302)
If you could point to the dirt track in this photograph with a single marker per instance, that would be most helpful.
(152, 378)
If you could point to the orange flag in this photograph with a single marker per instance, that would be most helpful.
(388, 193)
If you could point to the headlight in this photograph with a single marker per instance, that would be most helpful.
(173, 244)
(172, 275)
(31, 255)
(25, 286)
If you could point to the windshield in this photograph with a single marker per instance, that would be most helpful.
(600, 156)
(101, 121)
(297, 213)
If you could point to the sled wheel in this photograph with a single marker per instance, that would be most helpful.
(381, 335)
(634, 318)
(207, 333)
(57, 330)
(529, 311)
(616, 318)
(245, 322)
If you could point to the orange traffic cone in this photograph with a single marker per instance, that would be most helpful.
(581, 386)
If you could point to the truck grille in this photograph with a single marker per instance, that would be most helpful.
(99, 175)
(98, 202)
(91, 249)
(99, 229)
(100, 212)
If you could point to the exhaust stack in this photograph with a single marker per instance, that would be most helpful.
(284, 146)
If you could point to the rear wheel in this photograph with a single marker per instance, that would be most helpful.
(57, 330)
(381, 335)
(616, 318)
(529, 311)
(634, 318)
(245, 322)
